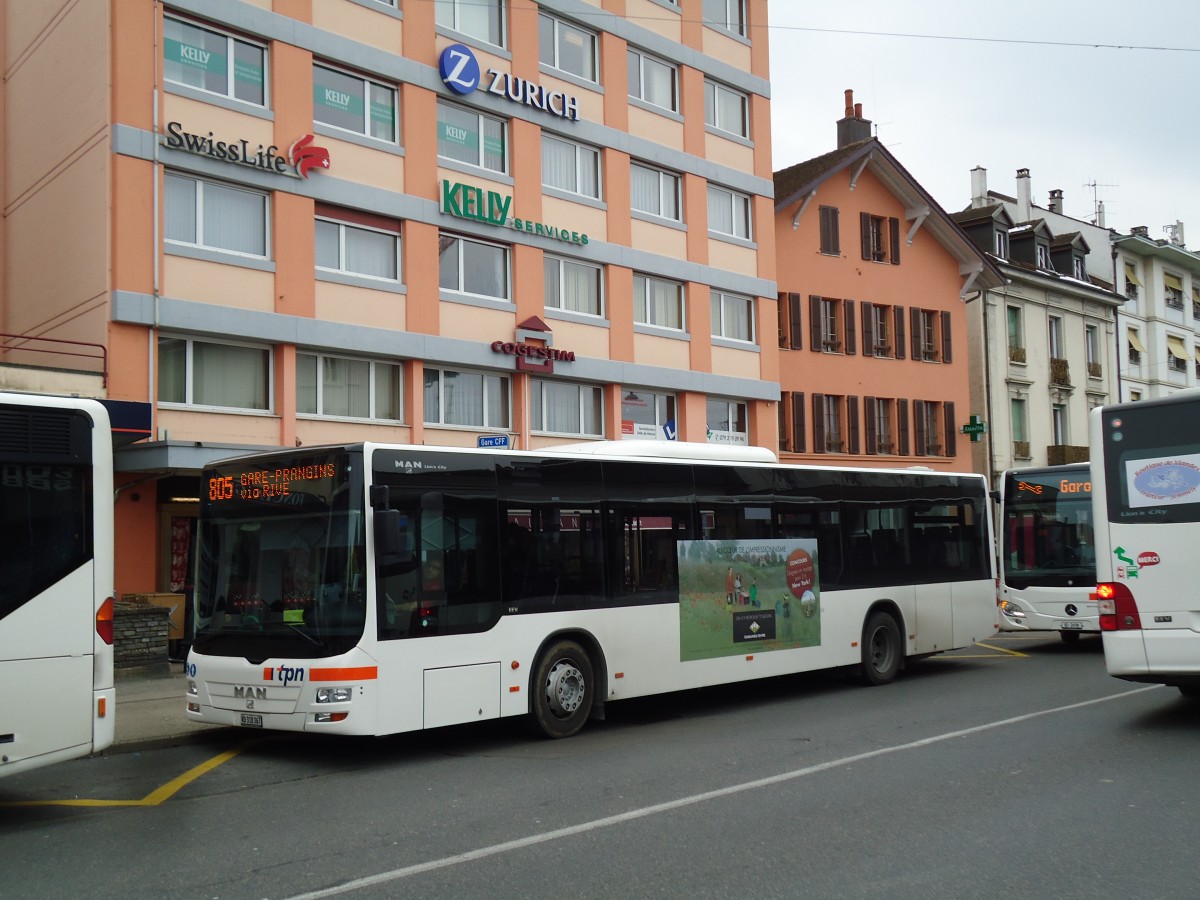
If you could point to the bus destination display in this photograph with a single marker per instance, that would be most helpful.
(268, 484)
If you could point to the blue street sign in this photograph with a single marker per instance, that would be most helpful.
(494, 440)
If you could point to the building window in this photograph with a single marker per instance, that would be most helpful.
(831, 325)
(1016, 338)
(1056, 338)
(561, 407)
(1078, 269)
(829, 415)
(880, 414)
(467, 399)
(355, 249)
(1091, 342)
(732, 317)
(654, 192)
(931, 336)
(1000, 243)
(930, 439)
(570, 167)
(831, 241)
(646, 415)
(1136, 348)
(215, 216)
(727, 14)
(479, 19)
(1132, 282)
(473, 138)
(347, 388)
(726, 109)
(1173, 291)
(728, 212)
(1058, 425)
(354, 103)
(1020, 427)
(1043, 256)
(469, 266)
(658, 302)
(202, 373)
(878, 339)
(573, 286)
(566, 47)
(1177, 355)
(214, 62)
(652, 81)
(880, 238)
(727, 421)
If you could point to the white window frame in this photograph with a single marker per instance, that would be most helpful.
(346, 231)
(881, 329)
(831, 418)
(367, 85)
(1000, 243)
(928, 320)
(480, 117)
(726, 306)
(560, 28)
(740, 209)
(732, 19)
(667, 181)
(462, 266)
(1019, 413)
(504, 382)
(373, 375)
(585, 158)
(456, 20)
(713, 117)
(1059, 432)
(1014, 315)
(200, 186)
(640, 93)
(1091, 343)
(558, 302)
(1054, 337)
(641, 301)
(1043, 256)
(231, 61)
(831, 315)
(885, 443)
(538, 388)
(189, 375)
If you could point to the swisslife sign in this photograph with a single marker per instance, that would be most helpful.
(301, 157)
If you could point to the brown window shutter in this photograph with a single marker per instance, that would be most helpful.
(830, 240)
(814, 322)
(781, 311)
(851, 424)
(894, 228)
(798, 422)
(864, 224)
(785, 402)
(868, 327)
(918, 428)
(898, 339)
(869, 413)
(818, 423)
(946, 354)
(902, 427)
(951, 441)
(914, 316)
(849, 345)
(796, 315)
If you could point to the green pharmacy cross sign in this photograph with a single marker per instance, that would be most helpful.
(975, 427)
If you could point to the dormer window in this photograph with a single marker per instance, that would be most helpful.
(1043, 256)
(1078, 269)
(1001, 243)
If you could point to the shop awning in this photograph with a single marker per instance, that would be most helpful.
(1176, 349)
(1173, 282)
(1135, 342)
(1131, 274)
(1198, 354)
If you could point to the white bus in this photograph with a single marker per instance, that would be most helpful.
(56, 580)
(1047, 554)
(1146, 474)
(373, 589)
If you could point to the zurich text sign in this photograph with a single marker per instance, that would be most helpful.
(459, 70)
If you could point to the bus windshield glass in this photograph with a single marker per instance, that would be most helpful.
(280, 562)
(1046, 532)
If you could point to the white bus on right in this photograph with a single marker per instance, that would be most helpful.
(1146, 507)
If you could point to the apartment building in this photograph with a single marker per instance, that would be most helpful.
(873, 277)
(293, 222)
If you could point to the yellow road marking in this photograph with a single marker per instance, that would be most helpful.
(155, 797)
(1000, 653)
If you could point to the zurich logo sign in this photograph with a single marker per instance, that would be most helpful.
(459, 69)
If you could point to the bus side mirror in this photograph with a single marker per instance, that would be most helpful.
(389, 543)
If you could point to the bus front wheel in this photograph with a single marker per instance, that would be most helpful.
(881, 649)
(563, 690)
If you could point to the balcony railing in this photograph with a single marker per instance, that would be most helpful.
(1016, 354)
(1021, 449)
(14, 346)
(1061, 454)
(1060, 372)
(1095, 370)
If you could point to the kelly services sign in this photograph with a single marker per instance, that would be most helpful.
(466, 201)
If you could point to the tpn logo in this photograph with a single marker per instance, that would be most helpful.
(306, 157)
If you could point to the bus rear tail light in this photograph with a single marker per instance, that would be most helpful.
(1118, 610)
(104, 621)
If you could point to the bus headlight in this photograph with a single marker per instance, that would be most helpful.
(334, 694)
(191, 688)
(1010, 609)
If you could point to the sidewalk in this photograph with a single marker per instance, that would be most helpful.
(150, 713)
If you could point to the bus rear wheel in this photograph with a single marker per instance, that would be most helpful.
(881, 649)
(563, 690)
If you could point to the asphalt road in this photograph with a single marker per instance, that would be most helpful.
(1016, 769)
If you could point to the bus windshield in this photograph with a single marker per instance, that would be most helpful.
(1046, 531)
(280, 561)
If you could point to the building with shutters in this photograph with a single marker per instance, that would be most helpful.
(874, 279)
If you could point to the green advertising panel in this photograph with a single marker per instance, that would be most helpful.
(739, 597)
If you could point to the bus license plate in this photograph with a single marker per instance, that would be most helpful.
(1065, 626)
(249, 720)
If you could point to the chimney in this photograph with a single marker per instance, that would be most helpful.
(1140, 231)
(1024, 203)
(1056, 201)
(1100, 213)
(853, 127)
(979, 196)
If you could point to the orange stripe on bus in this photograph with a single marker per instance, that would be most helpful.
(361, 673)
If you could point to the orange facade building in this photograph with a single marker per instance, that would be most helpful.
(873, 278)
(427, 221)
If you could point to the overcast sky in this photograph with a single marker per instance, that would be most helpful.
(1126, 120)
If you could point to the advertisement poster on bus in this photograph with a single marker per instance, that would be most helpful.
(1166, 481)
(739, 597)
